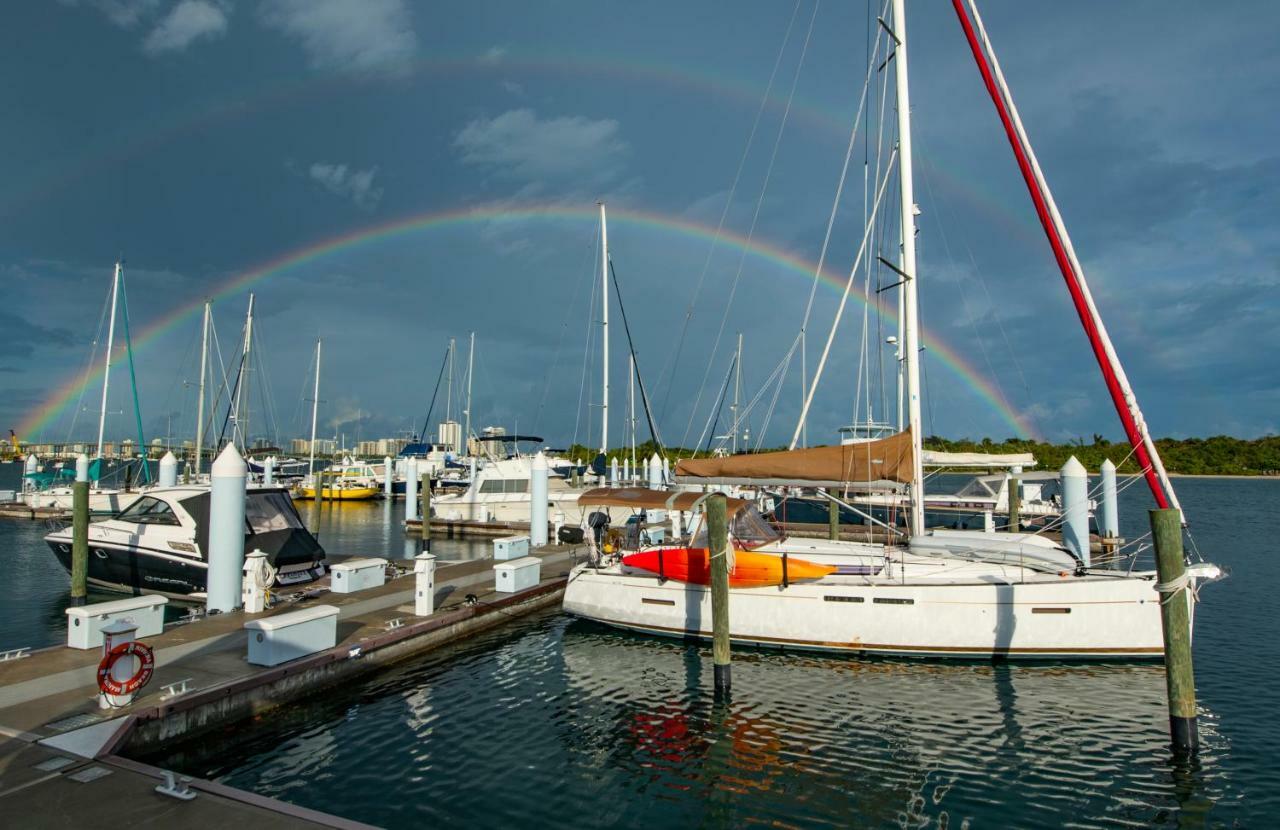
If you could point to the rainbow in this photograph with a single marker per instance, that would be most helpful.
(64, 396)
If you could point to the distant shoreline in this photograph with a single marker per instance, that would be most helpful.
(1225, 475)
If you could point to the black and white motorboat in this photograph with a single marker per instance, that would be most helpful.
(158, 544)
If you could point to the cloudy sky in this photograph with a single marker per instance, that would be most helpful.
(220, 146)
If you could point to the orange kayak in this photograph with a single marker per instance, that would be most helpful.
(751, 570)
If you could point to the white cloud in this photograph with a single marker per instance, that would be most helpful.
(124, 13)
(186, 22)
(494, 54)
(341, 180)
(514, 88)
(361, 35)
(521, 145)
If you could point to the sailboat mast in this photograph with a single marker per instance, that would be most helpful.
(604, 330)
(242, 404)
(737, 392)
(204, 370)
(631, 403)
(448, 390)
(315, 403)
(106, 371)
(471, 363)
(910, 307)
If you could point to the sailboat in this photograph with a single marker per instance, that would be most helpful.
(47, 489)
(937, 593)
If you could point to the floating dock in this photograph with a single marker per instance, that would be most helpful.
(60, 754)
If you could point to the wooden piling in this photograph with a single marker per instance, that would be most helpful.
(1175, 617)
(833, 521)
(718, 537)
(1015, 504)
(79, 542)
(426, 512)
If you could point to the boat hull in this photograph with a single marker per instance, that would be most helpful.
(1102, 618)
(340, 493)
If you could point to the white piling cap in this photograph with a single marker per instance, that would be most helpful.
(168, 459)
(229, 464)
(1073, 468)
(1108, 467)
(539, 461)
(655, 461)
(82, 467)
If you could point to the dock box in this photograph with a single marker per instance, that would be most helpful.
(357, 574)
(517, 575)
(7, 496)
(510, 547)
(85, 623)
(285, 637)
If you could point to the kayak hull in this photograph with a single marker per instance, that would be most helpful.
(751, 570)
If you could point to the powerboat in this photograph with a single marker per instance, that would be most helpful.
(158, 544)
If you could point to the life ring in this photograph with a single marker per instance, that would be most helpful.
(146, 667)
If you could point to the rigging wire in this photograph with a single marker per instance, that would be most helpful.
(673, 361)
(564, 328)
(755, 217)
(426, 422)
(88, 367)
(583, 399)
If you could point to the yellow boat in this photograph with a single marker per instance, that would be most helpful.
(341, 491)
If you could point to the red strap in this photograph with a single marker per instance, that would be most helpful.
(1064, 263)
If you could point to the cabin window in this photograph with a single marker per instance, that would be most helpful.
(149, 511)
(265, 512)
(505, 485)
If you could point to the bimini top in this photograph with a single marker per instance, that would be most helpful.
(883, 462)
(642, 498)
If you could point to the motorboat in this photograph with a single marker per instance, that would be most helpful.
(159, 543)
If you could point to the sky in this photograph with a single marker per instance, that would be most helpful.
(387, 175)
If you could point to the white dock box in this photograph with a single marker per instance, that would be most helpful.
(285, 637)
(517, 575)
(357, 574)
(85, 623)
(510, 547)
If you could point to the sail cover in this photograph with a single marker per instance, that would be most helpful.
(871, 462)
(993, 460)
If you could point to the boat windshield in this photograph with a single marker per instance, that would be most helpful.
(265, 512)
(748, 528)
(149, 511)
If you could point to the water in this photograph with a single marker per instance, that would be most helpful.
(36, 591)
(552, 721)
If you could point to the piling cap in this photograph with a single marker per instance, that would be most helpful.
(539, 461)
(655, 461)
(229, 464)
(169, 459)
(1108, 467)
(255, 554)
(82, 467)
(1073, 468)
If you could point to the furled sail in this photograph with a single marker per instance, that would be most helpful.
(887, 461)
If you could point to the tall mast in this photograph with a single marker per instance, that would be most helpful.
(910, 309)
(604, 330)
(204, 363)
(106, 371)
(737, 392)
(448, 390)
(471, 362)
(242, 403)
(315, 403)
(631, 404)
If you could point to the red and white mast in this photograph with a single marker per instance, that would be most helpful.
(1113, 373)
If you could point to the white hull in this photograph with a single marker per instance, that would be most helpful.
(100, 501)
(1047, 617)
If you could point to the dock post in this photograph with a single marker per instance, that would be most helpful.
(424, 584)
(387, 476)
(655, 472)
(626, 471)
(80, 532)
(1175, 618)
(426, 510)
(718, 536)
(168, 470)
(666, 471)
(269, 471)
(226, 531)
(115, 634)
(411, 490)
(833, 521)
(254, 584)
(1015, 500)
(677, 524)
(613, 472)
(538, 501)
(1075, 510)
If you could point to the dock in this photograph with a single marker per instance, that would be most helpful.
(62, 758)
(19, 510)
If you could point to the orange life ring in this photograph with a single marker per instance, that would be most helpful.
(146, 667)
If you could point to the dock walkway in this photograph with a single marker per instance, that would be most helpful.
(57, 747)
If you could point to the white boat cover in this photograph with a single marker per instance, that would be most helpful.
(991, 460)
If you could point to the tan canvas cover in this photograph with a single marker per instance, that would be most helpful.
(888, 459)
(642, 498)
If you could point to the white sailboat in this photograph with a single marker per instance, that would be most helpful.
(954, 594)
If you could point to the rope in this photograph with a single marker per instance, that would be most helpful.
(1173, 587)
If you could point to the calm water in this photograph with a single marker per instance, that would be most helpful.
(552, 721)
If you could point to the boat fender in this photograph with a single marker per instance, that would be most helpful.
(146, 667)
